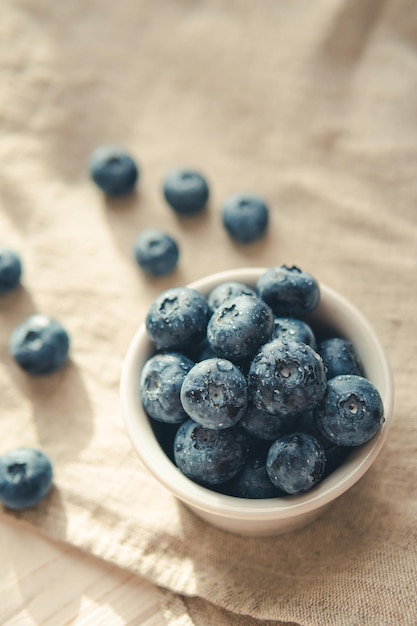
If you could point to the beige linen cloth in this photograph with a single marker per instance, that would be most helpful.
(313, 106)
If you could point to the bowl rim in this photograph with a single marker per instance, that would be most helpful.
(144, 442)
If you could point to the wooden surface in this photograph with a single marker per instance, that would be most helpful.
(46, 584)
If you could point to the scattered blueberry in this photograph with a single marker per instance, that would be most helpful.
(294, 328)
(351, 412)
(186, 191)
(339, 357)
(209, 456)
(160, 386)
(245, 217)
(113, 170)
(214, 393)
(295, 462)
(225, 291)
(239, 327)
(289, 291)
(40, 345)
(10, 270)
(286, 377)
(177, 319)
(155, 252)
(25, 478)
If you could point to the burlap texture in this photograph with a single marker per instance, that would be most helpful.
(312, 105)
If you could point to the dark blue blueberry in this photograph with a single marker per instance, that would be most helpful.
(239, 327)
(286, 377)
(220, 294)
(113, 170)
(253, 481)
(245, 217)
(160, 386)
(155, 252)
(339, 357)
(204, 351)
(351, 412)
(208, 456)
(214, 393)
(295, 462)
(25, 478)
(10, 270)
(289, 291)
(265, 425)
(177, 319)
(294, 328)
(40, 345)
(186, 191)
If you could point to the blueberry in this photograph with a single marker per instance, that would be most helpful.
(289, 291)
(239, 327)
(265, 425)
(40, 345)
(209, 456)
(113, 170)
(286, 377)
(155, 252)
(225, 291)
(253, 481)
(25, 478)
(245, 217)
(214, 393)
(177, 319)
(10, 270)
(294, 328)
(339, 357)
(186, 191)
(160, 385)
(295, 462)
(351, 412)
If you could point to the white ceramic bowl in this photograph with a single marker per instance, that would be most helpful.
(269, 516)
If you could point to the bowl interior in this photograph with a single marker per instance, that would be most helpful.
(339, 317)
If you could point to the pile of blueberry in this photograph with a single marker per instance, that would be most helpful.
(245, 396)
(244, 216)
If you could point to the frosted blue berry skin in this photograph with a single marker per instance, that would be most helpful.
(245, 217)
(286, 377)
(208, 456)
(265, 425)
(113, 170)
(214, 393)
(186, 191)
(177, 319)
(239, 327)
(294, 328)
(253, 481)
(40, 345)
(351, 412)
(155, 252)
(26, 477)
(160, 386)
(220, 294)
(10, 270)
(295, 463)
(339, 357)
(289, 291)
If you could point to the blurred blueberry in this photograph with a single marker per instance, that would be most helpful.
(295, 462)
(113, 170)
(339, 357)
(351, 412)
(245, 217)
(186, 191)
(10, 270)
(160, 385)
(214, 393)
(155, 252)
(40, 345)
(209, 456)
(289, 291)
(25, 478)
